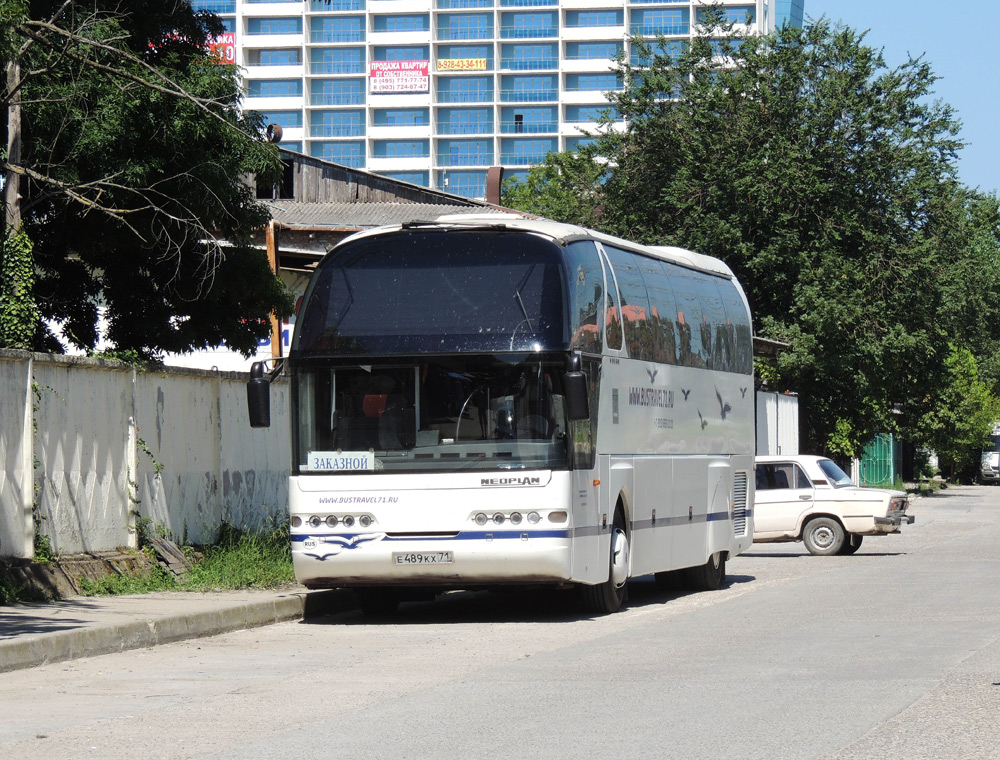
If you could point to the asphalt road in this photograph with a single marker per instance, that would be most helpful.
(891, 653)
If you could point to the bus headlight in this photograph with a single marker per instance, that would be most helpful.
(315, 521)
(534, 518)
(296, 521)
(331, 521)
(515, 518)
(498, 519)
(481, 518)
(364, 521)
(558, 517)
(348, 521)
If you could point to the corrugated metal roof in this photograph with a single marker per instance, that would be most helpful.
(365, 215)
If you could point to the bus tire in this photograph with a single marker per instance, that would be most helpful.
(852, 542)
(823, 536)
(377, 601)
(609, 596)
(710, 576)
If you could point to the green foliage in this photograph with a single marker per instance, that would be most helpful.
(18, 312)
(245, 559)
(137, 156)
(960, 414)
(157, 579)
(827, 181)
(240, 559)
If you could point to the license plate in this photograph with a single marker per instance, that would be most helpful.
(423, 558)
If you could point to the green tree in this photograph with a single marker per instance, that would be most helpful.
(960, 414)
(132, 177)
(827, 181)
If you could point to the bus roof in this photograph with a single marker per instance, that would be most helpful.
(561, 233)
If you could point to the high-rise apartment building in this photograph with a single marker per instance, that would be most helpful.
(434, 92)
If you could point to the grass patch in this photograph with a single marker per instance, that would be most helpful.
(242, 559)
(238, 560)
(16, 593)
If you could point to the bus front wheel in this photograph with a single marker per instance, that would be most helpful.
(608, 597)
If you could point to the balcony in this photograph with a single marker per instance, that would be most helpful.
(528, 127)
(523, 33)
(517, 64)
(337, 130)
(335, 35)
(528, 96)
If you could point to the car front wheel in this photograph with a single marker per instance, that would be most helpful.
(823, 536)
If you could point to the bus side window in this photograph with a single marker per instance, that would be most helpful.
(635, 303)
(586, 296)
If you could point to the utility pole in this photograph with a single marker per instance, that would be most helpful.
(12, 181)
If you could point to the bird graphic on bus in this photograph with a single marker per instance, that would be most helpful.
(724, 407)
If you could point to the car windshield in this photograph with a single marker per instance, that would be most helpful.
(837, 477)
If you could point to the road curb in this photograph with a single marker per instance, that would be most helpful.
(29, 651)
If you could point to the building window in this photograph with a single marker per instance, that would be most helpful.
(401, 53)
(577, 114)
(661, 21)
(350, 154)
(337, 61)
(468, 184)
(414, 178)
(291, 57)
(465, 26)
(528, 120)
(447, 5)
(337, 123)
(271, 26)
(401, 117)
(525, 3)
(519, 25)
(338, 92)
(214, 6)
(401, 149)
(318, 6)
(602, 82)
(589, 51)
(465, 89)
(409, 22)
(595, 18)
(274, 88)
(530, 150)
(575, 143)
(734, 14)
(529, 56)
(464, 121)
(287, 119)
(527, 89)
(338, 29)
(465, 152)
(670, 50)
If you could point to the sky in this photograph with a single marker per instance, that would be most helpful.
(958, 40)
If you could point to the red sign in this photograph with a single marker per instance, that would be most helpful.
(224, 47)
(399, 76)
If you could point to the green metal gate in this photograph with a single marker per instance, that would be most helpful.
(880, 462)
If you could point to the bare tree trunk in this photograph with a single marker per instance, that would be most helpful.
(12, 181)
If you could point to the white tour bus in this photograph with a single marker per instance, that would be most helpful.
(508, 402)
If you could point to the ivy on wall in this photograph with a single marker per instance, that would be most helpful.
(18, 312)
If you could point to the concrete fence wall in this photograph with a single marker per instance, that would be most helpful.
(91, 447)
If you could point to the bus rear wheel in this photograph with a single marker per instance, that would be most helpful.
(710, 576)
(608, 597)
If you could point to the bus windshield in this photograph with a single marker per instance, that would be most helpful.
(480, 412)
(435, 291)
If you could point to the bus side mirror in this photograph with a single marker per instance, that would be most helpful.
(259, 397)
(577, 397)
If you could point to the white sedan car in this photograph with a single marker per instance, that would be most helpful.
(810, 499)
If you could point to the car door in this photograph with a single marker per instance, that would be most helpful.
(783, 493)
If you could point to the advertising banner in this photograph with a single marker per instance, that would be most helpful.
(224, 47)
(461, 64)
(399, 76)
